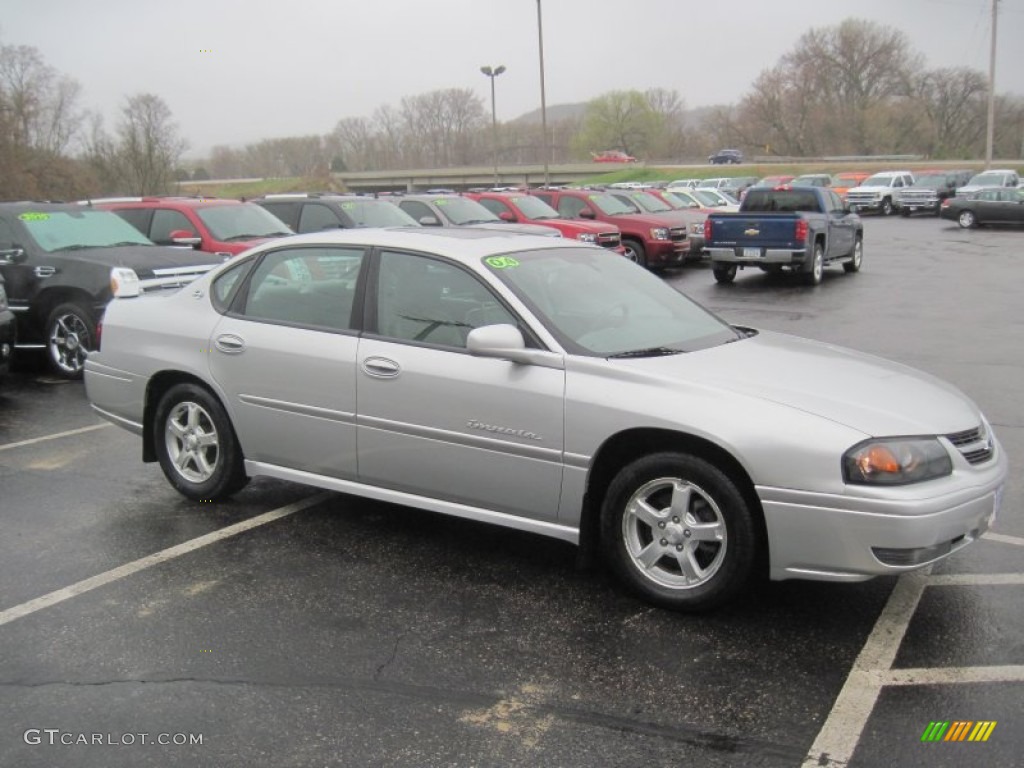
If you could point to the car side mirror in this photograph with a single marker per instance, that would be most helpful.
(14, 255)
(185, 237)
(505, 342)
(507, 216)
(429, 221)
(586, 213)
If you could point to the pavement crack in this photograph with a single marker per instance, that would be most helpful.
(390, 660)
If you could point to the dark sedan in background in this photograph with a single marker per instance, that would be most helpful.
(989, 206)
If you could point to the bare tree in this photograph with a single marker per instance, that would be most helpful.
(954, 100)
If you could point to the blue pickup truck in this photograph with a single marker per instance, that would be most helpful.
(800, 228)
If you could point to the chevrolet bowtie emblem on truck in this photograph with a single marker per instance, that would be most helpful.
(751, 232)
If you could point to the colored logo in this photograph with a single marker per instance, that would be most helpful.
(958, 730)
(502, 262)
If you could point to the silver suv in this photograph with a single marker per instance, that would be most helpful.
(556, 388)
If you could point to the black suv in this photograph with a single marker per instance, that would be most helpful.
(726, 157)
(928, 191)
(317, 212)
(58, 262)
(7, 330)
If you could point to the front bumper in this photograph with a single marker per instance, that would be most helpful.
(852, 538)
(662, 252)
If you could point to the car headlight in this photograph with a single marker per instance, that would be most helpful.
(697, 229)
(896, 461)
(587, 237)
(124, 282)
(3, 298)
(659, 233)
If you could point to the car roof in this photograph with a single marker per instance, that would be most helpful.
(169, 202)
(36, 205)
(465, 244)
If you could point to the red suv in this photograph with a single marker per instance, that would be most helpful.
(224, 227)
(527, 209)
(651, 239)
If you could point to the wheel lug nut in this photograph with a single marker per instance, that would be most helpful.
(661, 524)
(679, 547)
(664, 542)
(675, 519)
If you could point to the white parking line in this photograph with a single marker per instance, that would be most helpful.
(838, 737)
(1003, 538)
(156, 558)
(974, 579)
(1012, 673)
(44, 438)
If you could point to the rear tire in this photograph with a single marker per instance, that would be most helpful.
(678, 531)
(724, 273)
(967, 220)
(196, 444)
(856, 257)
(817, 266)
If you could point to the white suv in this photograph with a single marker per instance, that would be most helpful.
(880, 192)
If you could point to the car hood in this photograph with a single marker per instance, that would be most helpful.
(143, 258)
(874, 396)
(523, 229)
(650, 219)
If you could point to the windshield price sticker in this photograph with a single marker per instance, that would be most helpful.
(348, 206)
(34, 216)
(441, 202)
(501, 262)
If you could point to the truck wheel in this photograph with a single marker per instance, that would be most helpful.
(677, 530)
(196, 445)
(887, 208)
(817, 266)
(856, 257)
(967, 220)
(70, 333)
(635, 252)
(724, 273)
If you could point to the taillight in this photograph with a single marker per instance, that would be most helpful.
(801, 230)
(707, 229)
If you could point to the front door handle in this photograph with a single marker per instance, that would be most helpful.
(381, 367)
(230, 344)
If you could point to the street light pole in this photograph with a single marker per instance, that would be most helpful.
(543, 99)
(493, 73)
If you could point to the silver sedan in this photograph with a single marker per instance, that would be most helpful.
(552, 387)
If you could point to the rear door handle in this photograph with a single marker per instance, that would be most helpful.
(230, 344)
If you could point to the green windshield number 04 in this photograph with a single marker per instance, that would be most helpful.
(501, 262)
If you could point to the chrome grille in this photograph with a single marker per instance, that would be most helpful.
(677, 234)
(974, 444)
(609, 239)
(919, 196)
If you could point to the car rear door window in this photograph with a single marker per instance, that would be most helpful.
(316, 217)
(166, 221)
(311, 287)
(137, 217)
(570, 207)
(417, 210)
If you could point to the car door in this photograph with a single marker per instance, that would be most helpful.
(284, 354)
(436, 421)
(842, 225)
(23, 272)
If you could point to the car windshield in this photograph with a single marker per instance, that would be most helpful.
(709, 198)
(611, 205)
(245, 221)
(650, 203)
(598, 304)
(679, 200)
(534, 208)
(461, 211)
(377, 213)
(87, 228)
(987, 180)
(878, 180)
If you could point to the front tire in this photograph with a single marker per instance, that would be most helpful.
(724, 273)
(196, 445)
(635, 252)
(967, 220)
(887, 209)
(677, 531)
(856, 257)
(70, 334)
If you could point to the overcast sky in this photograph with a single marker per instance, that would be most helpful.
(235, 71)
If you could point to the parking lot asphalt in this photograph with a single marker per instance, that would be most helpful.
(290, 627)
